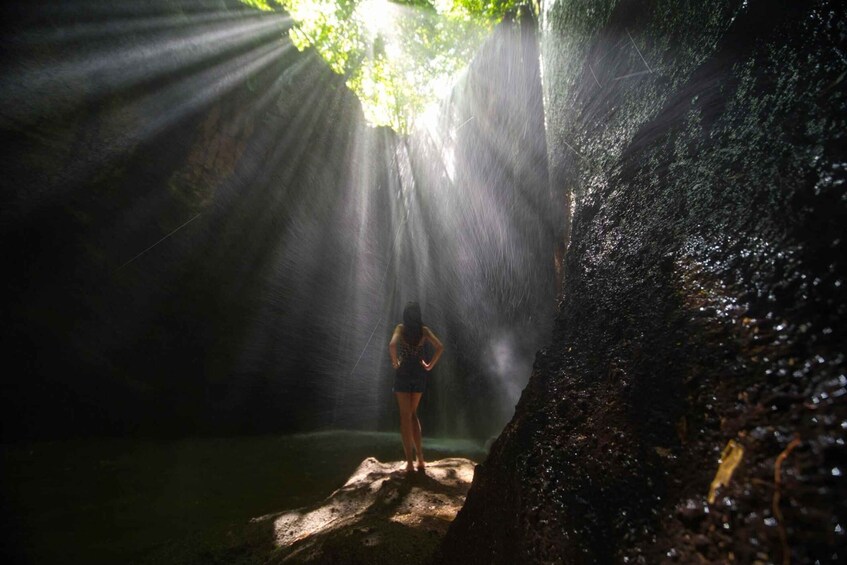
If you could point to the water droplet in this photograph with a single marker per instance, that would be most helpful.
(836, 472)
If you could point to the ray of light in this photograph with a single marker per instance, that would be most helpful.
(158, 242)
(34, 92)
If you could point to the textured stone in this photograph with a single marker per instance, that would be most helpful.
(697, 151)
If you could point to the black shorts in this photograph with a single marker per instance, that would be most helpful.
(410, 377)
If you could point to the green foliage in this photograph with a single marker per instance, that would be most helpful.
(264, 5)
(398, 57)
(489, 8)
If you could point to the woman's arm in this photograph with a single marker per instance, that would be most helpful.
(436, 343)
(392, 346)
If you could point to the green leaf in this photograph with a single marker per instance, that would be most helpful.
(398, 56)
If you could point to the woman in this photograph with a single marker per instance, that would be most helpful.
(407, 358)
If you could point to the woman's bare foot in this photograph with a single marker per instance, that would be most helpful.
(421, 465)
(410, 467)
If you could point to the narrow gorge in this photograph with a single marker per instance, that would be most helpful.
(624, 219)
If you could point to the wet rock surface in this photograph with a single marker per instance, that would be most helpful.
(381, 515)
(699, 159)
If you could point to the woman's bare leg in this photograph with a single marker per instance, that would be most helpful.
(404, 402)
(415, 425)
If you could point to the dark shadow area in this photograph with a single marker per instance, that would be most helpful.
(698, 151)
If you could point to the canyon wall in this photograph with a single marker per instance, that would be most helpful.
(697, 153)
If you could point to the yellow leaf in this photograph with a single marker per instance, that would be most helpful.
(730, 458)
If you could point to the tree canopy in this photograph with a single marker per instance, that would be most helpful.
(399, 56)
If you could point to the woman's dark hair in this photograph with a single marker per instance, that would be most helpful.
(412, 324)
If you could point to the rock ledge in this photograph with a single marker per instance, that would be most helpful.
(380, 515)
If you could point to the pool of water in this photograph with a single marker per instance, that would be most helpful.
(121, 500)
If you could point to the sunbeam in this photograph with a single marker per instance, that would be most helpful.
(253, 245)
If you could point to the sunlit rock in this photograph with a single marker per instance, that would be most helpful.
(380, 514)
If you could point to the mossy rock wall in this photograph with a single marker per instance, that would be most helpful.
(697, 152)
